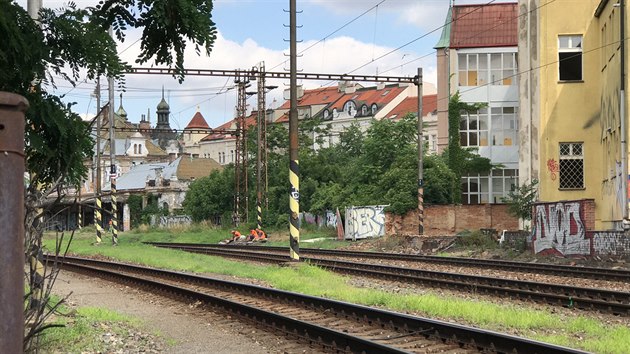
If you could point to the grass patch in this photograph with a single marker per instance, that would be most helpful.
(579, 332)
(84, 329)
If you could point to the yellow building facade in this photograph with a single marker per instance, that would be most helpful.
(570, 129)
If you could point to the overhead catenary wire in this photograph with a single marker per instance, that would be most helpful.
(472, 36)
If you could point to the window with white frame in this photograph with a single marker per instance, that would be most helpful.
(570, 58)
(571, 166)
(503, 69)
(503, 125)
(350, 108)
(473, 69)
(487, 68)
(473, 128)
(489, 188)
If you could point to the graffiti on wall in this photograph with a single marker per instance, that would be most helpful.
(364, 222)
(553, 167)
(174, 220)
(331, 218)
(559, 228)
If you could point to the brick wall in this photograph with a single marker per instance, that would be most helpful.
(451, 219)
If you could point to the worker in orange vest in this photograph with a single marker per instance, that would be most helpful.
(262, 236)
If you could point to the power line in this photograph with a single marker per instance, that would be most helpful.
(420, 37)
(333, 32)
(474, 35)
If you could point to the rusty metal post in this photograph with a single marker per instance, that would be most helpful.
(12, 108)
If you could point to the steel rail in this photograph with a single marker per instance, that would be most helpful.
(544, 268)
(615, 302)
(469, 337)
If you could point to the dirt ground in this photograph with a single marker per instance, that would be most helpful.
(191, 333)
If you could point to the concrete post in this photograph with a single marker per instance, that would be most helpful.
(12, 108)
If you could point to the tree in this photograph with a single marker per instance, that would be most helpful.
(210, 196)
(521, 200)
(57, 140)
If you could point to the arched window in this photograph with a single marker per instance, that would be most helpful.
(364, 110)
(350, 108)
(135, 149)
(326, 114)
(374, 108)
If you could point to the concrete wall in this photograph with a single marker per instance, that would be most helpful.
(451, 219)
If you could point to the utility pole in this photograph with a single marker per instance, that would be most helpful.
(294, 167)
(98, 216)
(622, 114)
(240, 162)
(420, 158)
(12, 108)
(261, 155)
(112, 162)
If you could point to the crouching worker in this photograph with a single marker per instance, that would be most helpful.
(253, 236)
(236, 236)
(262, 236)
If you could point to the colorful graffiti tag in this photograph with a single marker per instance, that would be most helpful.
(363, 222)
(560, 228)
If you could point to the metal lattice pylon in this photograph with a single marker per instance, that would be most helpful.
(240, 161)
(261, 170)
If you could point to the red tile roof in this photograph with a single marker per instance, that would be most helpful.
(249, 122)
(323, 95)
(369, 95)
(197, 122)
(410, 105)
(477, 26)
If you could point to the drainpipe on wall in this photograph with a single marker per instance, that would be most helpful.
(622, 114)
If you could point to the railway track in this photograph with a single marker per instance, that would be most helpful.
(609, 301)
(328, 325)
(541, 268)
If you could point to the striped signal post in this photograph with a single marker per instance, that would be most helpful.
(114, 229)
(99, 219)
(420, 158)
(294, 167)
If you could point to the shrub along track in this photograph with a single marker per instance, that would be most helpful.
(328, 325)
(607, 301)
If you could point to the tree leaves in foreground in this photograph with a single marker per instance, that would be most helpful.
(73, 43)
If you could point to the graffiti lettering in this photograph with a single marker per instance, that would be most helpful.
(331, 219)
(553, 167)
(363, 222)
(560, 228)
(174, 220)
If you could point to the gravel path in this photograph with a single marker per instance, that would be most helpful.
(192, 333)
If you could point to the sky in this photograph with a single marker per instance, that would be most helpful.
(384, 37)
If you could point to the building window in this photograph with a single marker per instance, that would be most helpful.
(350, 108)
(473, 128)
(571, 166)
(326, 114)
(570, 58)
(503, 69)
(503, 125)
(374, 108)
(475, 68)
(489, 188)
(364, 110)
(135, 149)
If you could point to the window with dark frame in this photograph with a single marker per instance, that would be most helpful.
(570, 58)
(571, 166)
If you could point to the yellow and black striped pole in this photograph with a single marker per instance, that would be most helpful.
(294, 204)
(114, 212)
(99, 219)
(294, 167)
